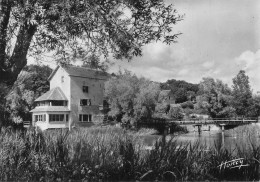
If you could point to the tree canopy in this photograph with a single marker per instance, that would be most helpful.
(31, 83)
(182, 90)
(130, 97)
(79, 29)
(242, 94)
(215, 98)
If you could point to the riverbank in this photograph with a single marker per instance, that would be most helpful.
(112, 153)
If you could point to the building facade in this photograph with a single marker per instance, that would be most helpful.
(75, 99)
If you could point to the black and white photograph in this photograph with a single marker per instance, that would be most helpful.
(129, 90)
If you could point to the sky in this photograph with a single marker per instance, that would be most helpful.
(219, 38)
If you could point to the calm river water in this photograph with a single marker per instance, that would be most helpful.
(241, 137)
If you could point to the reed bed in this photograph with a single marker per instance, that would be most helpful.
(113, 154)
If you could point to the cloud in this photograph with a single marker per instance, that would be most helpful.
(213, 44)
(248, 59)
(208, 64)
(183, 72)
(250, 62)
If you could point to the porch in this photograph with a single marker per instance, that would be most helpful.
(51, 120)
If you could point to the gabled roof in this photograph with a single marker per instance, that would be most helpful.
(53, 94)
(81, 72)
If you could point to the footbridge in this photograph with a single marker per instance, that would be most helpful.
(223, 123)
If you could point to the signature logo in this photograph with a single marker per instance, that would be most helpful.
(235, 163)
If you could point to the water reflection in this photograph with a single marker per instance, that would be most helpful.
(241, 137)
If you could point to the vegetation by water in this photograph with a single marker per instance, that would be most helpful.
(114, 154)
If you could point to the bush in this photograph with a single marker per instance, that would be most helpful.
(162, 108)
(187, 104)
(176, 111)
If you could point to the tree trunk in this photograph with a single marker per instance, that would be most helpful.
(11, 66)
(5, 10)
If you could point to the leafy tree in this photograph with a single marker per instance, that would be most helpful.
(187, 104)
(214, 97)
(130, 97)
(31, 83)
(35, 78)
(176, 112)
(79, 28)
(162, 108)
(146, 99)
(254, 109)
(3, 114)
(191, 95)
(183, 91)
(242, 94)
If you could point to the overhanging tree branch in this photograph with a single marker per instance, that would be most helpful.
(5, 10)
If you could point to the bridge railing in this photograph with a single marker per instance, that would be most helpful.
(235, 118)
(233, 121)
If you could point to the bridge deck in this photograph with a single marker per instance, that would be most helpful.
(217, 122)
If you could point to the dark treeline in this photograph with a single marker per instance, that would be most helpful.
(215, 98)
(133, 99)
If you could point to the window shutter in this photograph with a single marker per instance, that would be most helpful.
(80, 117)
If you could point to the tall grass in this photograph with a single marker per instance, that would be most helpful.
(114, 154)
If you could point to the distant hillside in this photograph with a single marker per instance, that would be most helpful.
(182, 90)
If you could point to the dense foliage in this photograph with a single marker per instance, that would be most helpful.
(215, 98)
(133, 98)
(182, 90)
(130, 97)
(242, 94)
(31, 83)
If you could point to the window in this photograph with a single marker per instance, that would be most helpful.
(59, 103)
(67, 117)
(85, 89)
(85, 102)
(41, 117)
(56, 117)
(85, 117)
(62, 79)
(42, 103)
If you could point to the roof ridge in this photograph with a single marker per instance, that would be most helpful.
(60, 91)
(53, 73)
(51, 92)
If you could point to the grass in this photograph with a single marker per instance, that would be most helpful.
(113, 154)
